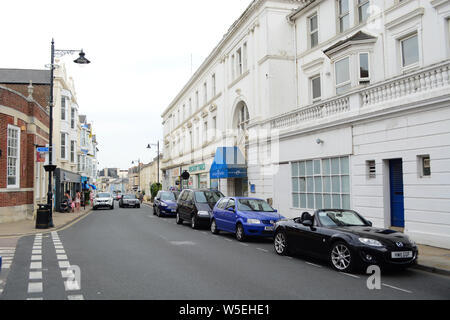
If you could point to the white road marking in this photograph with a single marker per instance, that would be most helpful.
(35, 298)
(64, 264)
(71, 285)
(313, 264)
(36, 275)
(36, 258)
(6, 266)
(35, 287)
(229, 240)
(60, 251)
(59, 247)
(350, 275)
(243, 244)
(76, 297)
(392, 287)
(36, 265)
(182, 243)
(36, 252)
(67, 273)
(61, 257)
(261, 249)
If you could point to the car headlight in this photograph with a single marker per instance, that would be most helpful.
(203, 213)
(413, 243)
(253, 221)
(371, 242)
(163, 204)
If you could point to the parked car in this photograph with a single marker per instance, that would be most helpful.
(165, 203)
(129, 200)
(245, 217)
(196, 206)
(344, 238)
(103, 200)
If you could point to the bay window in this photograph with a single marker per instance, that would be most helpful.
(342, 72)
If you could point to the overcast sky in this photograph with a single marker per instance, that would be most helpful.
(140, 52)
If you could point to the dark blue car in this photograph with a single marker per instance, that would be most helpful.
(165, 203)
(245, 217)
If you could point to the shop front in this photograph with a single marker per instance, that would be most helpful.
(229, 166)
(66, 181)
(199, 178)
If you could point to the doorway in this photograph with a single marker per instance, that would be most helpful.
(396, 191)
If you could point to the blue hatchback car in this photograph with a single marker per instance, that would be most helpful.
(165, 203)
(245, 217)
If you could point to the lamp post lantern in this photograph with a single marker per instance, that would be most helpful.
(50, 168)
(157, 145)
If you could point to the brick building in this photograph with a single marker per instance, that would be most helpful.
(24, 125)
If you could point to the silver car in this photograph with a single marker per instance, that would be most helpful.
(129, 200)
(103, 200)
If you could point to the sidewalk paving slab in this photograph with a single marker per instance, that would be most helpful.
(28, 227)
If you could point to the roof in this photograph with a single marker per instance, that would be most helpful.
(24, 76)
(359, 36)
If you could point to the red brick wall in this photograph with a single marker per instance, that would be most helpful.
(41, 92)
(27, 146)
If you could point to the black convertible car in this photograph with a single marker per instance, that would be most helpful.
(344, 238)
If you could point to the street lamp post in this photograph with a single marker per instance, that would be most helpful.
(139, 170)
(50, 168)
(157, 145)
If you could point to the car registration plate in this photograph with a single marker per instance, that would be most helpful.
(402, 254)
(268, 228)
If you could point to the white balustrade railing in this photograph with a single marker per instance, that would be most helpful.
(424, 80)
(314, 112)
(421, 81)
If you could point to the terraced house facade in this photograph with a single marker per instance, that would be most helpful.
(325, 104)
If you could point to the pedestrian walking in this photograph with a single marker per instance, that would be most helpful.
(78, 201)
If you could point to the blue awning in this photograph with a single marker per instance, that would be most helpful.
(228, 163)
(93, 187)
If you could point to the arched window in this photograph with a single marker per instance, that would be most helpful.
(244, 117)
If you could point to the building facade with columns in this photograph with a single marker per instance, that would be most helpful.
(352, 114)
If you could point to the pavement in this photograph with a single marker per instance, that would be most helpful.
(431, 259)
(28, 227)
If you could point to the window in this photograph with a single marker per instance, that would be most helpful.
(424, 166)
(342, 71)
(184, 112)
(313, 31)
(315, 88)
(371, 169)
(344, 15)
(72, 118)
(214, 126)
(244, 118)
(213, 85)
(239, 61)
(13, 157)
(233, 67)
(205, 131)
(364, 68)
(190, 107)
(79, 163)
(63, 145)
(63, 108)
(410, 50)
(197, 102)
(244, 56)
(72, 151)
(321, 183)
(197, 136)
(205, 93)
(363, 10)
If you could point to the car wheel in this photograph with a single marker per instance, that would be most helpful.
(154, 211)
(281, 243)
(194, 222)
(214, 229)
(95, 208)
(158, 213)
(138, 206)
(341, 257)
(112, 207)
(240, 234)
(179, 220)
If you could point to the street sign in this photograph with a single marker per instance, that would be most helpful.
(42, 149)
